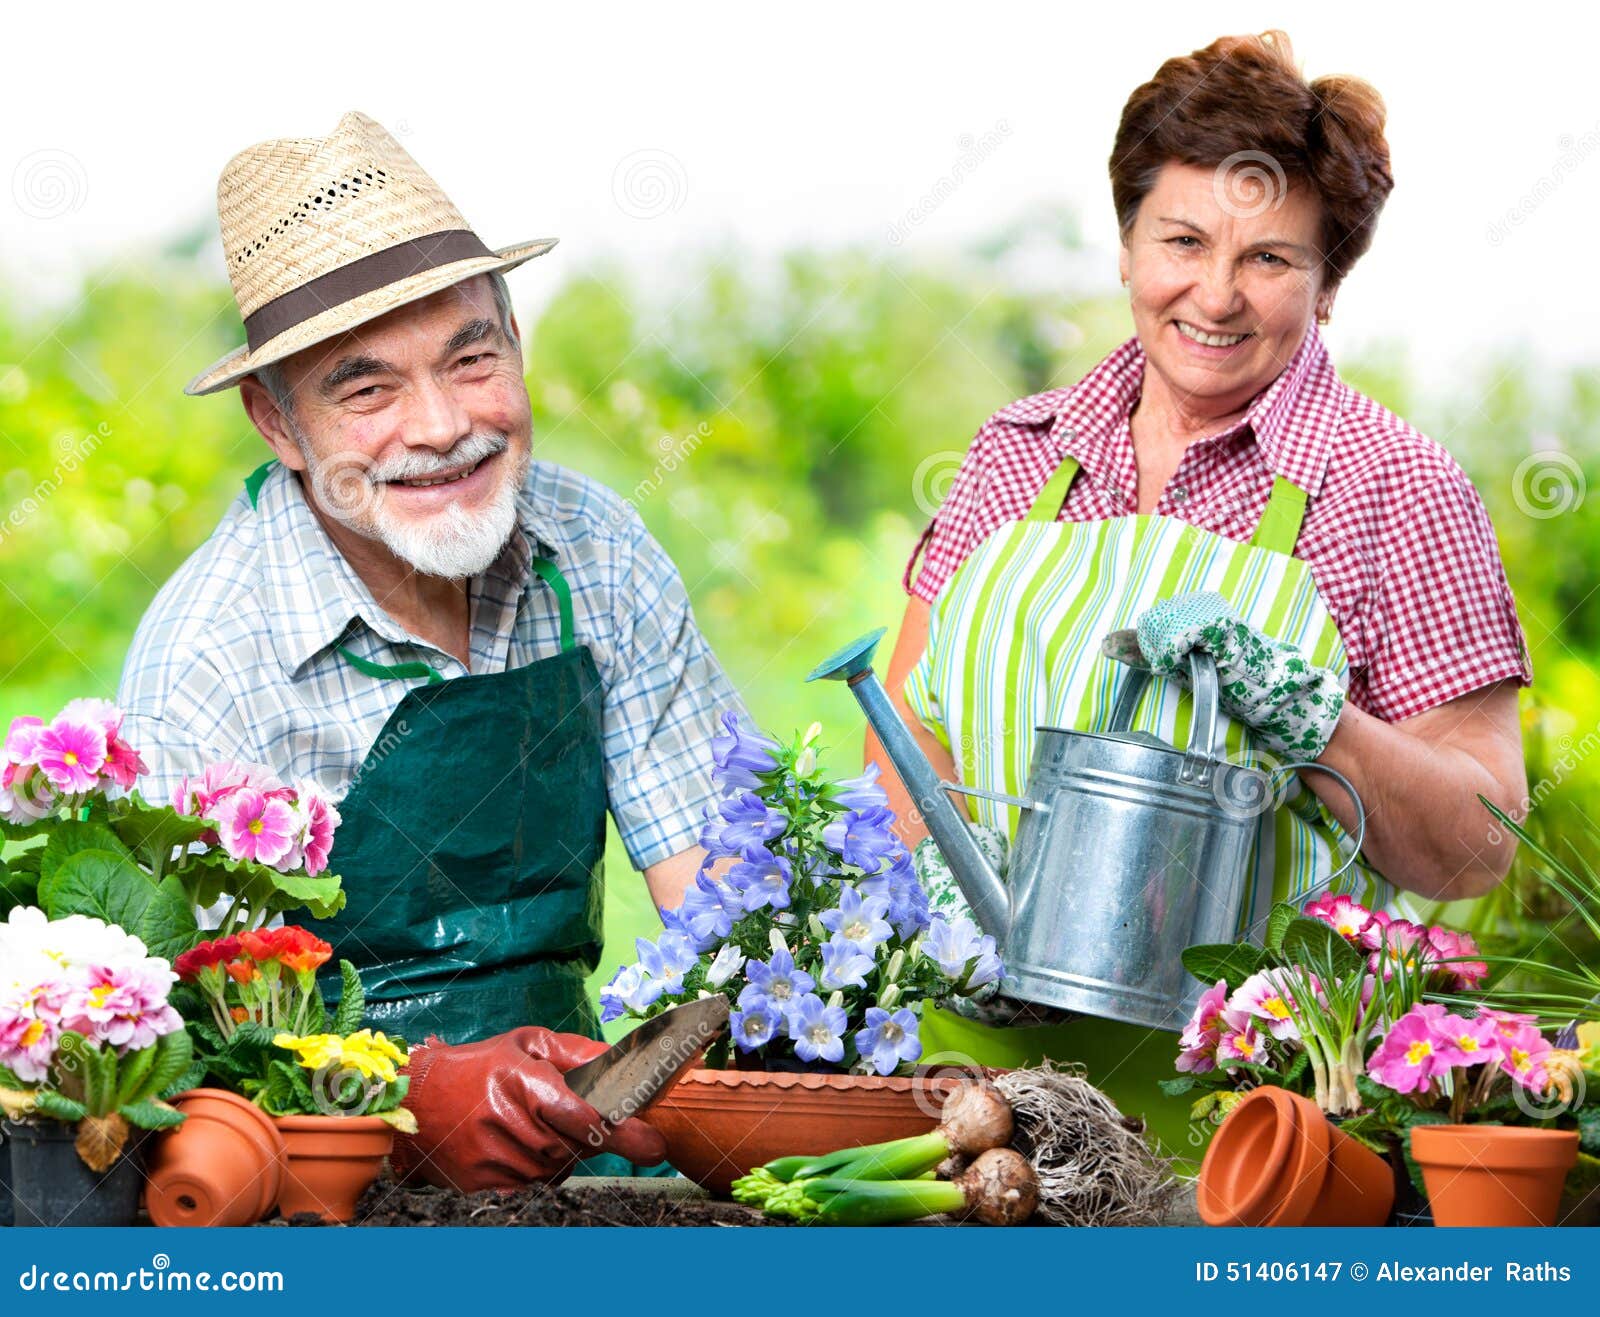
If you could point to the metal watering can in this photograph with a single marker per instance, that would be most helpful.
(1128, 849)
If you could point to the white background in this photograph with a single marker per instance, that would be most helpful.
(820, 123)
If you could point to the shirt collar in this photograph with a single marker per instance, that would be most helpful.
(312, 592)
(1293, 420)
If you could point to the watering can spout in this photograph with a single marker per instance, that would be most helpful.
(979, 882)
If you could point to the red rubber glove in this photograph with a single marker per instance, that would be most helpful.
(497, 1114)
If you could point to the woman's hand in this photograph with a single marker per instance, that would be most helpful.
(1419, 780)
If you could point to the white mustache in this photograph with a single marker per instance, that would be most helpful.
(421, 466)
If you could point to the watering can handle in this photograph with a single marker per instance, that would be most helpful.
(1355, 851)
(1204, 726)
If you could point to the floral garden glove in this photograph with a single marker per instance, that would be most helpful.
(1291, 705)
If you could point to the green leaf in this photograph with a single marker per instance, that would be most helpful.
(16, 888)
(27, 861)
(352, 1001)
(133, 1071)
(279, 1096)
(193, 1077)
(154, 832)
(1283, 914)
(1589, 1129)
(1232, 962)
(264, 891)
(22, 831)
(50, 1103)
(71, 837)
(173, 1053)
(148, 1114)
(1178, 1085)
(1319, 947)
(112, 887)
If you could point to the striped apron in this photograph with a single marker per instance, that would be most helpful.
(1014, 643)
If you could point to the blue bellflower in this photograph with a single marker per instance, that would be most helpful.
(817, 1029)
(738, 756)
(889, 1039)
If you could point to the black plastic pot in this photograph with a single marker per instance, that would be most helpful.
(5, 1178)
(50, 1185)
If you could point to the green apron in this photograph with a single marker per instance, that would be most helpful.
(471, 847)
(1013, 644)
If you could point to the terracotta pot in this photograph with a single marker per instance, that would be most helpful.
(720, 1124)
(332, 1160)
(1493, 1175)
(222, 1167)
(1278, 1161)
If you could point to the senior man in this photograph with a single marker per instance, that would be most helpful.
(475, 653)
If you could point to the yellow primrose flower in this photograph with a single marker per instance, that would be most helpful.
(314, 1051)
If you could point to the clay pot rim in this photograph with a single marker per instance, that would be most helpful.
(331, 1124)
(810, 1080)
(1256, 1205)
(1493, 1147)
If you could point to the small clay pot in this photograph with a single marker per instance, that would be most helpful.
(1494, 1175)
(1278, 1161)
(223, 1166)
(51, 1186)
(332, 1160)
(721, 1124)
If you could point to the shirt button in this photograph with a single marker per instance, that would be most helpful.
(1179, 493)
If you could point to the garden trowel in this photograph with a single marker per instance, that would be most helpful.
(625, 1080)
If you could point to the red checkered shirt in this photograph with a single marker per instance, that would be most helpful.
(1396, 537)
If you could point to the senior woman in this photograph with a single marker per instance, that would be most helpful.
(1213, 483)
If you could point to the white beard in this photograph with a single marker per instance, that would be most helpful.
(453, 544)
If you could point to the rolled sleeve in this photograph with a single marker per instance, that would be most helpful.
(662, 708)
(1444, 622)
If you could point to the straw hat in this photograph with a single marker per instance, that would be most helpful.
(325, 233)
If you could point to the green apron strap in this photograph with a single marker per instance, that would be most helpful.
(257, 478)
(1047, 506)
(557, 582)
(1279, 527)
(371, 669)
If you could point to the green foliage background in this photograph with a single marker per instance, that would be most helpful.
(783, 427)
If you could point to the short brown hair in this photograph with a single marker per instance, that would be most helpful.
(1245, 96)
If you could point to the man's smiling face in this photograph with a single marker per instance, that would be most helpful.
(413, 430)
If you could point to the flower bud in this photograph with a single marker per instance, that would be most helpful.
(806, 764)
(775, 940)
(890, 996)
(817, 930)
(836, 998)
(812, 733)
(897, 962)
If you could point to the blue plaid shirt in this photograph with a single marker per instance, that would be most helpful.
(237, 656)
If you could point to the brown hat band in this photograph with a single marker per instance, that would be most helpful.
(363, 275)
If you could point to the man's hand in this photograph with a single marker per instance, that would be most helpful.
(497, 1114)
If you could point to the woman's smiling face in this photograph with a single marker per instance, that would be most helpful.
(1234, 260)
